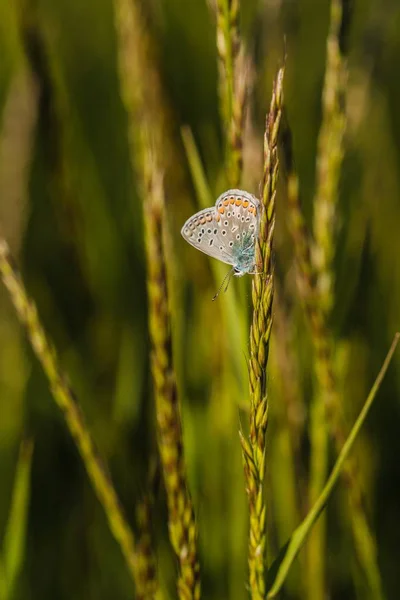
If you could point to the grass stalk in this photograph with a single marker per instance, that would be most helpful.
(324, 396)
(284, 561)
(233, 80)
(329, 161)
(236, 329)
(14, 542)
(145, 555)
(287, 478)
(141, 102)
(326, 415)
(293, 407)
(329, 158)
(227, 48)
(65, 399)
(181, 520)
(262, 296)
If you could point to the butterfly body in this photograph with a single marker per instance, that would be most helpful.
(227, 231)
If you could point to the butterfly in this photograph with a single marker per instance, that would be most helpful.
(227, 231)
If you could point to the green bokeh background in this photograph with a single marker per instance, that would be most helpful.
(78, 235)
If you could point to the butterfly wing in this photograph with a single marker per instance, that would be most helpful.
(225, 230)
(239, 212)
(203, 231)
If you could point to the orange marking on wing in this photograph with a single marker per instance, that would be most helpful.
(226, 202)
(238, 201)
(252, 209)
(232, 200)
(217, 218)
(202, 220)
(245, 203)
(208, 218)
(221, 210)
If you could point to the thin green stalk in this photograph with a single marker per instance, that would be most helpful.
(287, 476)
(65, 399)
(182, 525)
(199, 179)
(324, 393)
(289, 411)
(145, 555)
(326, 409)
(3, 581)
(293, 403)
(329, 159)
(140, 89)
(262, 296)
(227, 47)
(14, 543)
(236, 329)
(239, 104)
(280, 568)
(233, 79)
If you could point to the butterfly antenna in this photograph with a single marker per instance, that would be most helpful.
(227, 277)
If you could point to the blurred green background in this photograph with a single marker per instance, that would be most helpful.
(71, 211)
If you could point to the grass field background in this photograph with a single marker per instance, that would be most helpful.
(73, 210)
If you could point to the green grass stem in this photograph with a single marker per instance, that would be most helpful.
(262, 296)
(328, 163)
(236, 328)
(65, 399)
(14, 543)
(233, 83)
(326, 408)
(146, 128)
(181, 520)
(145, 553)
(283, 563)
(141, 94)
(328, 167)
(329, 159)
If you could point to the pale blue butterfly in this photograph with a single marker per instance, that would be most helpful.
(227, 231)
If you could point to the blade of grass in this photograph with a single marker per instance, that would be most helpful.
(199, 178)
(145, 554)
(3, 580)
(330, 157)
(15, 534)
(281, 566)
(237, 327)
(65, 399)
(327, 397)
(328, 167)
